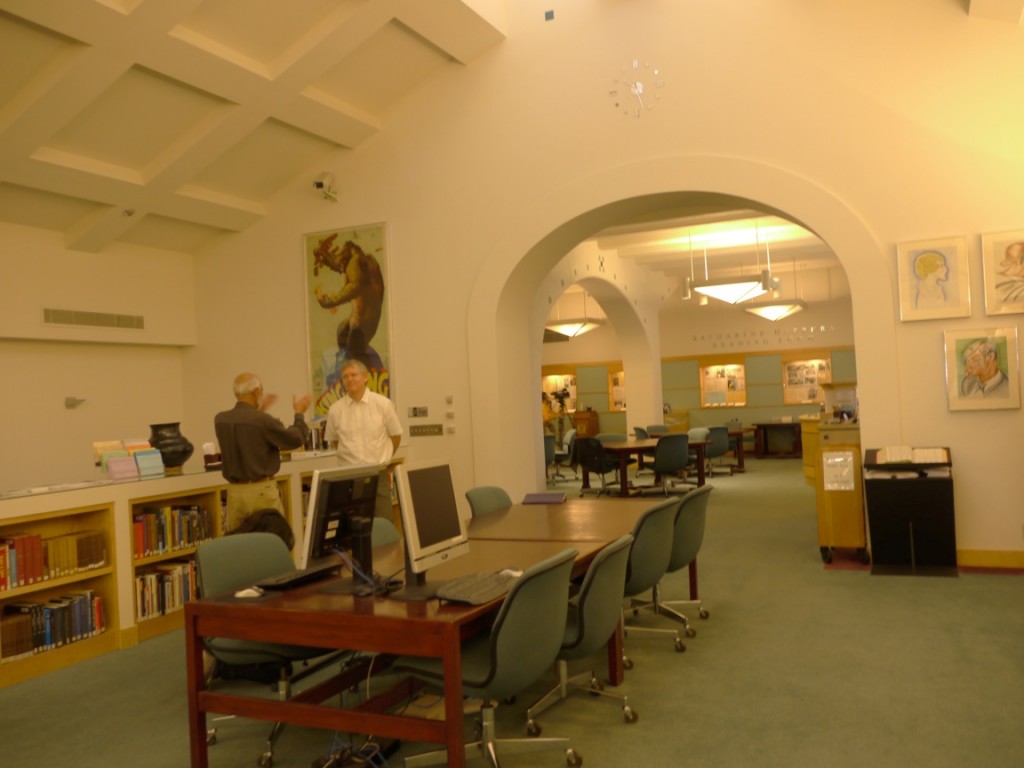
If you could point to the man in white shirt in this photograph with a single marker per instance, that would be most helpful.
(363, 428)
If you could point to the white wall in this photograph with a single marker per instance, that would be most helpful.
(872, 123)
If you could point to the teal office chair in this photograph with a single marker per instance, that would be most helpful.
(227, 564)
(523, 643)
(718, 446)
(594, 612)
(565, 457)
(383, 532)
(649, 557)
(671, 457)
(687, 538)
(642, 466)
(485, 499)
(596, 461)
(657, 429)
(549, 457)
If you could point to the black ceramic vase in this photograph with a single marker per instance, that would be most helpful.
(174, 447)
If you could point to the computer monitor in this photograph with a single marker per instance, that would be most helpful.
(335, 498)
(435, 532)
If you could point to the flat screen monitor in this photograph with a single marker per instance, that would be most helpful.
(335, 498)
(434, 530)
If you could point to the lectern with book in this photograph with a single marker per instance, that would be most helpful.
(909, 497)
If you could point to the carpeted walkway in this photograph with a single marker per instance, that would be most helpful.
(799, 665)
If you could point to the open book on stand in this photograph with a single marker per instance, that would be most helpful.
(904, 454)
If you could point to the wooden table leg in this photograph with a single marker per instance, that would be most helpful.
(701, 451)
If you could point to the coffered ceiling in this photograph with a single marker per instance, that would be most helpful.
(168, 123)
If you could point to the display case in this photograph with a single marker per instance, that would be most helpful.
(910, 510)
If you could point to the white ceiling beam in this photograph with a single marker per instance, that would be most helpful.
(998, 10)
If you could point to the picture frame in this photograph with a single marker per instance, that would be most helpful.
(934, 279)
(982, 369)
(1002, 257)
(347, 312)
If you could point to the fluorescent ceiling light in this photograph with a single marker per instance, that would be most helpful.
(736, 289)
(572, 328)
(775, 310)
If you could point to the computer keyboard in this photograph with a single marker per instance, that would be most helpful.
(477, 588)
(299, 577)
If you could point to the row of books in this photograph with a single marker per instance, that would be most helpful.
(159, 530)
(34, 627)
(31, 558)
(164, 588)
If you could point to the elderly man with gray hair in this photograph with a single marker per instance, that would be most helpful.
(251, 442)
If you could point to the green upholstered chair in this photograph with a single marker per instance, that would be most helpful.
(233, 562)
(649, 557)
(671, 457)
(687, 538)
(522, 645)
(485, 499)
(594, 612)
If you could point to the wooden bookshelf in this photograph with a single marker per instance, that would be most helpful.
(151, 618)
(100, 579)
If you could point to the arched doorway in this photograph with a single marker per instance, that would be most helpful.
(506, 316)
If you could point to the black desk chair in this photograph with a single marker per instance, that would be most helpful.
(596, 461)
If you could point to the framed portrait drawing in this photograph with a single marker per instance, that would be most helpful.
(982, 369)
(934, 279)
(1002, 255)
(346, 311)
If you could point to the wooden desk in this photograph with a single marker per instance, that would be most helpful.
(626, 448)
(737, 435)
(572, 521)
(768, 436)
(308, 616)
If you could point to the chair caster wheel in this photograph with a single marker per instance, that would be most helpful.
(596, 686)
(629, 714)
(573, 758)
(705, 613)
(266, 760)
(211, 737)
(690, 632)
(627, 663)
(533, 728)
(680, 646)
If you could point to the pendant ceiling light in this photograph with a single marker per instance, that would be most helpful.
(777, 309)
(575, 326)
(734, 290)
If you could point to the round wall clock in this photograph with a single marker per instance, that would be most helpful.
(635, 91)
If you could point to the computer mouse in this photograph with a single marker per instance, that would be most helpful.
(249, 592)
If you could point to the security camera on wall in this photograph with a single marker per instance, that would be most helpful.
(324, 184)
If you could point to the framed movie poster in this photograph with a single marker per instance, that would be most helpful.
(982, 371)
(1002, 255)
(934, 279)
(346, 309)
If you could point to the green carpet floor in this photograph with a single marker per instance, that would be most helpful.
(798, 665)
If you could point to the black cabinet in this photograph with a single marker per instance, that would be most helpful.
(911, 520)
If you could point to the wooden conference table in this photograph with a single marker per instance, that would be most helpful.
(308, 615)
(643, 446)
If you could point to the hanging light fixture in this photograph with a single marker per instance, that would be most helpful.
(577, 326)
(733, 290)
(777, 309)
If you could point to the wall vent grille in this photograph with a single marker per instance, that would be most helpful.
(92, 319)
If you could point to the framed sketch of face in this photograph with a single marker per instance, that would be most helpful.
(934, 279)
(1002, 255)
(982, 369)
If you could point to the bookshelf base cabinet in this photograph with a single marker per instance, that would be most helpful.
(58, 591)
(149, 531)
